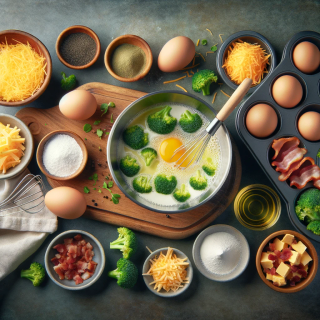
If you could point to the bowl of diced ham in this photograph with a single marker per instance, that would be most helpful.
(287, 261)
(74, 260)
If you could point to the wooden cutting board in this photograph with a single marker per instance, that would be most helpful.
(126, 213)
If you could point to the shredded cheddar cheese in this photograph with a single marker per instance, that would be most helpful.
(214, 97)
(201, 56)
(22, 71)
(209, 52)
(246, 60)
(225, 94)
(187, 72)
(191, 72)
(11, 147)
(181, 88)
(168, 271)
(221, 37)
(209, 31)
(191, 67)
(174, 80)
(198, 42)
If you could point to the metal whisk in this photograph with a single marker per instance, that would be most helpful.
(197, 146)
(27, 196)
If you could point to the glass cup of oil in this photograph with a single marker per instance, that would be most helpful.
(257, 207)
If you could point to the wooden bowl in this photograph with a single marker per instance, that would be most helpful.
(136, 41)
(313, 265)
(78, 29)
(10, 36)
(40, 154)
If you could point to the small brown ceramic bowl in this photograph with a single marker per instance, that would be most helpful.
(78, 29)
(40, 154)
(136, 41)
(11, 37)
(313, 265)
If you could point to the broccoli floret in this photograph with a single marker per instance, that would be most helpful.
(142, 184)
(126, 274)
(202, 80)
(314, 226)
(165, 184)
(149, 154)
(36, 273)
(308, 206)
(182, 194)
(135, 137)
(190, 122)
(162, 122)
(209, 168)
(126, 242)
(68, 83)
(198, 182)
(129, 166)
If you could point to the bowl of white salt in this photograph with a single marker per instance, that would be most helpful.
(221, 253)
(62, 155)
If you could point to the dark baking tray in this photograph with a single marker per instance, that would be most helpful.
(260, 148)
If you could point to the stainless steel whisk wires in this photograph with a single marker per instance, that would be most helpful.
(27, 196)
(197, 146)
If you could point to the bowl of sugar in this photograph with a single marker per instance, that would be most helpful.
(221, 253)
(62, 155)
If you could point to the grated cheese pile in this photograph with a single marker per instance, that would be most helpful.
(168, 271)
(22, 71)
(246, 60)
(11, 147)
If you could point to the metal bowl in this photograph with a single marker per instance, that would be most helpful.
(166, 97)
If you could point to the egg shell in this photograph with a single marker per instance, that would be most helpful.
(78, 105)
(176, 54)
(309, 125)
(306, 57)
(287, 91)
(66, 202)
(261, 120)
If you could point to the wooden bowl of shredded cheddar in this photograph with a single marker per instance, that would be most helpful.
(26, 68)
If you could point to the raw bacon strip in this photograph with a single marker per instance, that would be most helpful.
(301, 177)
(278, 144)
(292, 155)
(295, 166)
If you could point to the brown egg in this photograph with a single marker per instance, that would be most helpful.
(287, 91)
(66, 202)
(176, 54)
(306, 57)
(78, 105)
(309, 125)
(261, 120)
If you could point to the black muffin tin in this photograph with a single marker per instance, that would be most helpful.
(287, 122)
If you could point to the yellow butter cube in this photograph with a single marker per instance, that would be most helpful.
(300, 247)
(265, 262)
(288, 238)
(283, 270)
(279, 280)
(269, 276)
(278, 244)
(285, 246)
(305, 258)
(295, 258)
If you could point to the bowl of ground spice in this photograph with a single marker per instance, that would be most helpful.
(128, 58)
(78, 47)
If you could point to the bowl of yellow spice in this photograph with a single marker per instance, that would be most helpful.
(128, 58)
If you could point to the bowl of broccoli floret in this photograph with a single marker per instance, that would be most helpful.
(133, 158)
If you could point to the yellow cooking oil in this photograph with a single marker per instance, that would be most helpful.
(257, 207)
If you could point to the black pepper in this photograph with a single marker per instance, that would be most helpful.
(96, 204)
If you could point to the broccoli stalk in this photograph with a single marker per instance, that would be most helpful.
(129, 166)
(202, 80)
(36, 273)
(182, 194)
(209, 168)
(198, 182)
(135, 137)
(165, 184)
(162, 122)
(126, 274)
(314, 226)
(126, 242)
(308, 206)
(149, 154)
(190, 122)
(68, 83)
(142, 184)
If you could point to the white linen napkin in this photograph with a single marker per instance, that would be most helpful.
(22, 233)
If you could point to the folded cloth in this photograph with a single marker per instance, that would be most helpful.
(21, 233)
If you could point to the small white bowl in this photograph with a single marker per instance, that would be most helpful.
(244, 259)
(29, 145)
(98, 257)
(149, 279)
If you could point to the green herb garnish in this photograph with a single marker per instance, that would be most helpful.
(104, 107)
(94, 188)
(111, 118)
(87, 128)
(99, 191)
(204, 42)
(86, 190)
(68, 83)
(214, 48)
(94, 177)
(318, 154)
(99, 133)
(107, 133)
(114, 196)
(110, 184)
(96, 122)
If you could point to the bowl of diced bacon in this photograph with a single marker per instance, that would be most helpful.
(75, 260)
(287, 261)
